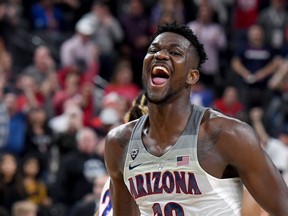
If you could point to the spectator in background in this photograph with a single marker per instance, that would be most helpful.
(277, 111)
(73, 10)
(29, 95)
(87, 73)
(65, 128)
(276, 147)
(107, 119)
(35, 187)
(48, 21)
(229, 104)
(274, 21)
(43, 72)
(221, 14)
(78, 68)
(79, 168)
(39, 140)
(164, 17)
(6, 72)
(201, 95)
(90, 203)
(11, 181)
(164, 7)
(70, 11)
(15, 11)
(87, 102)
(107, 36)
(116, 102)
(45, 15)
(43, 67)
(137, 31)
(72, 117)
(122, 82)
(79, 59)
(77, 87)
(4, 22)
(254, 64)
(244, 15)
(70, 91)
(213, 37)
(4, 118)
(79, 94)
(10, 19)
(80, 47)
(279, 79)
(17, 126)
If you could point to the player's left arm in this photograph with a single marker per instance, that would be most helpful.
(258, 173)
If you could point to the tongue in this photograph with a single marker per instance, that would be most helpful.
(159, 80)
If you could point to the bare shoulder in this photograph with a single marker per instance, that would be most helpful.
(231, 138)
(224, 126)
(121, 134)
(116, 146)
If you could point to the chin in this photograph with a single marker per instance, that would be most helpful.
(154, 99)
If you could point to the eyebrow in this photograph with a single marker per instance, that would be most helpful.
(172, 45)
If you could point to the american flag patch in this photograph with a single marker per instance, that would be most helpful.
(183, 160)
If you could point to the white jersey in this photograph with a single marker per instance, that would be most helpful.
(105, 203)
(175, 183)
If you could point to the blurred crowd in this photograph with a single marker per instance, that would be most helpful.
(70, 69)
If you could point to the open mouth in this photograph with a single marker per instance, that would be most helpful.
(159, 75)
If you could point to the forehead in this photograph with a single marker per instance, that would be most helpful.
(171, 39)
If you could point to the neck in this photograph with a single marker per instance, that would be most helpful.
(169, 117)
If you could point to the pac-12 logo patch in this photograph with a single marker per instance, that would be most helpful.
(134, 153)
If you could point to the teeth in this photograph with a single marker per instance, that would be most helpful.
(160, 68)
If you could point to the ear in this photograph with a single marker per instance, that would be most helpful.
(193, 76)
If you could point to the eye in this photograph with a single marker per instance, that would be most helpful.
(175, 53)
(152, 50)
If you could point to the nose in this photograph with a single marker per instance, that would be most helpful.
(162, 54)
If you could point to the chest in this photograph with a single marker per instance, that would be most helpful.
(201, 148)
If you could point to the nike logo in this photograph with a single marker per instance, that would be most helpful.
(132, 167)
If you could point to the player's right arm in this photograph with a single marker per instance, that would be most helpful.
(242, 150)
(115, 153)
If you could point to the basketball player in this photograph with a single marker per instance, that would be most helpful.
(184, 159)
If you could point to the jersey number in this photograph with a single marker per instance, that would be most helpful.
(109, 204)
(169, 209)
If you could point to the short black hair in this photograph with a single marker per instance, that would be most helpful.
(186, 32)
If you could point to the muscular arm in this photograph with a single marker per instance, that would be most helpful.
(258, 173)
(115, 153)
